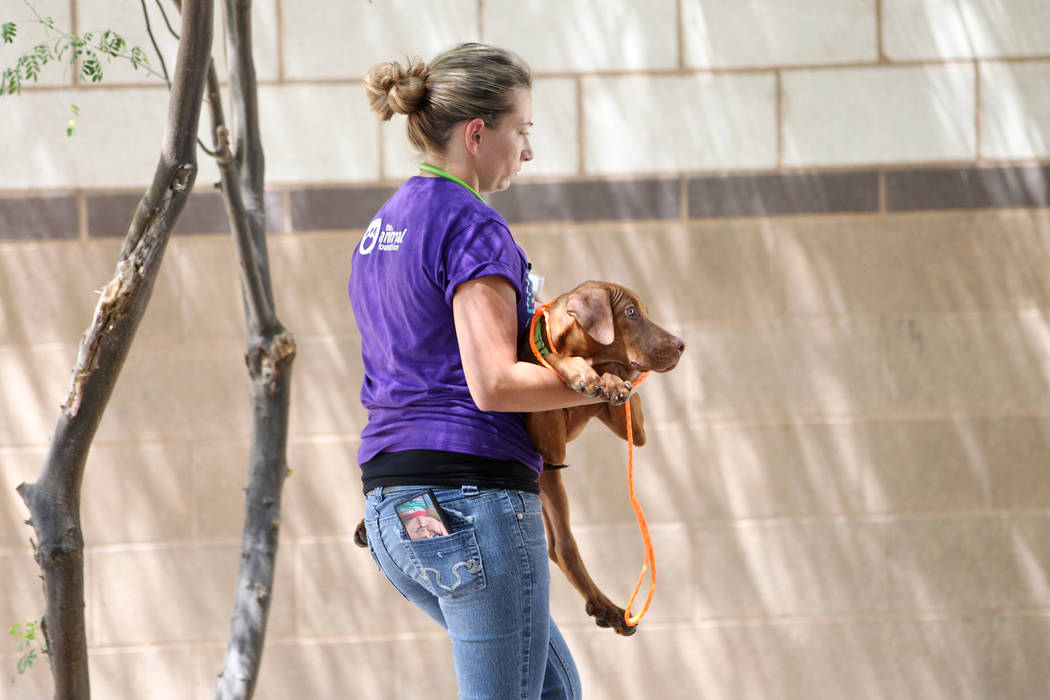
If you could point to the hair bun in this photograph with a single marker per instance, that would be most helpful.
(393, 88)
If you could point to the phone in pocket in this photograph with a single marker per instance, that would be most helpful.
(421, 516)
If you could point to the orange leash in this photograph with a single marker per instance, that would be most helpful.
(649, 564)
(650, 558)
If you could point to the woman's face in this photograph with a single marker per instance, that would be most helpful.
(504, 149)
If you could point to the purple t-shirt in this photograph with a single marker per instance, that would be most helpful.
(430, 236)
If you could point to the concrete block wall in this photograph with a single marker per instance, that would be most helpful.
(842, 206)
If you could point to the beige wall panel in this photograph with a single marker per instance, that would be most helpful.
(771, 471)
(342, 593)
(22, 602)
(304, 144)
(371, 669)
(164, 674)
(673, 123)
(555, 134)
(219, 473)
(1031, 553)
(148, 485)
(794, 568)
(198, 389)
(205, 289)
(400, 158)
(914, 264)
(658, 661)
(718, 271)
(928, 30)
(323, 493)
(355, 36)
(47, 290)
(35, 383)
(720, 34)
(117, 142)
(849, 116)
(33, 685)
(326, 388)
(310, 275)
(955, 563)
(907, 466)
(174, 593)
(775, 369)
(942, 659)
(1025, 236)
(1029, 639)
(986, 363)
(589, 35)
(17, 466)
(1015, 107)
(1019, 447)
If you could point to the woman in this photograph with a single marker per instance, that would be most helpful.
(441, 293)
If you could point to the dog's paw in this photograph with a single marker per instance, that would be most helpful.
(580, 376)
(360, 536)
(611, 616)
(615, 389)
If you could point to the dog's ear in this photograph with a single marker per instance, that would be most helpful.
(592, 309)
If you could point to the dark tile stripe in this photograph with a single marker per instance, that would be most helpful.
(594, 200)
(336, 209)
(109, 215)
(779, 194)
(38, 218)
(770, 194)
(968, 188)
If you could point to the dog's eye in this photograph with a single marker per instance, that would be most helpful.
(631, 311)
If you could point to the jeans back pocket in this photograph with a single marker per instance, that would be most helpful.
(448, 566)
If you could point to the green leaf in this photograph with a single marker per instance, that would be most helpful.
(8, 32)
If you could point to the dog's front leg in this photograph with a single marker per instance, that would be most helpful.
(577, 373)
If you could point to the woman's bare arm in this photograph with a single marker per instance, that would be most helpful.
(486, 325)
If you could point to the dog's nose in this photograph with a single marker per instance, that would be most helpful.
(679, 344)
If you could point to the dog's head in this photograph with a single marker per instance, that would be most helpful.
(617, 320)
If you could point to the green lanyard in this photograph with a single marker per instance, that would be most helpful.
(449, 176)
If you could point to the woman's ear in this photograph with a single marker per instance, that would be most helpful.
(472, 135)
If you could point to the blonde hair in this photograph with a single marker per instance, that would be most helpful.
(468, 81)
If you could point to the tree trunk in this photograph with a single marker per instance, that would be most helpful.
(269, 356)
(54, 498)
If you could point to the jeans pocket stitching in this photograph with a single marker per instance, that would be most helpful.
(460, 547)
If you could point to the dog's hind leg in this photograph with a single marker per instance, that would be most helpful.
(563, 551)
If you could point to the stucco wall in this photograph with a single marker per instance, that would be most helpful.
(841, 205)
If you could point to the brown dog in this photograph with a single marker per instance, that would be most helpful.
(599, 339)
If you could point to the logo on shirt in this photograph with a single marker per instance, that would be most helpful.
(371, 236)
(387, 239)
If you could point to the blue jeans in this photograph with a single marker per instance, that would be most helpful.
(487, 583)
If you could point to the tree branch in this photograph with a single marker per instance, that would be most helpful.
(54, 499)
(269, 356)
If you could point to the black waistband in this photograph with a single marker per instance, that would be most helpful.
(447, 469)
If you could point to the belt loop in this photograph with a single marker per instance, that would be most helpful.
(469, 490)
